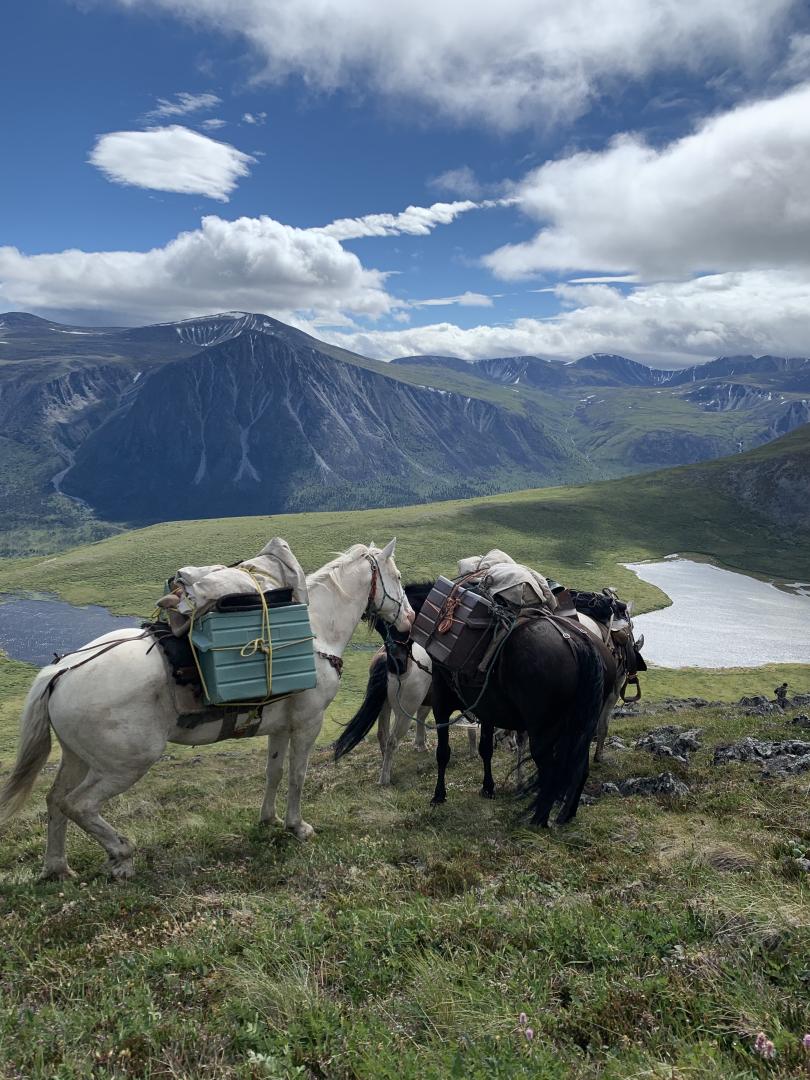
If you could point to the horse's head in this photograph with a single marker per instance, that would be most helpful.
(636, 644)
(386, 597)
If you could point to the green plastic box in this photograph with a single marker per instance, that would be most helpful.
(220, 636)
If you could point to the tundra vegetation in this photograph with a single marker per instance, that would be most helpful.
(655, 936)
(652, 937)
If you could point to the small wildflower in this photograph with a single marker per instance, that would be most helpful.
(806, 1042)
(523, 1020)
(764, 1047)
(529, 1033)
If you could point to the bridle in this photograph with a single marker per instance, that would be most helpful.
(377, 578)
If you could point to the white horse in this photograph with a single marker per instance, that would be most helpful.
(405, 697)
(114, 715)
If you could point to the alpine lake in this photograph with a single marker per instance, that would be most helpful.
(717, 619)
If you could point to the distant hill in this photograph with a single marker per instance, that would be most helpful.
(580, 535)
(772, 481)
(238, 412)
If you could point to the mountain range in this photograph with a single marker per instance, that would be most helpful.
(241, 414)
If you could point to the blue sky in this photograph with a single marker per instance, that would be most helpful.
(665, 145)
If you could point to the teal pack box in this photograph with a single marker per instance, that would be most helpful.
(234, 671)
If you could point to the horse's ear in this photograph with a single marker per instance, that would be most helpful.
(389, 549)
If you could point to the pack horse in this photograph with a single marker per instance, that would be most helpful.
(115, 710)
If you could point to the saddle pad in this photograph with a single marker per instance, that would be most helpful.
(177, 651)
(454, 626)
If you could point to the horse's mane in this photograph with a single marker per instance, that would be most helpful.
(328, 572)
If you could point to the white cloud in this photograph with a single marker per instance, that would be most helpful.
(461, 181)
(254, 118)
(213, 124)
(605, 279)
(253, 264)
(465, 299)
(673, 323)
(516, 63)
(183, 104)
(796, 67)
(171, 159)
(414, 221)
(732, 195)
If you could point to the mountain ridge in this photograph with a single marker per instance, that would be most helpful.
(84, 409)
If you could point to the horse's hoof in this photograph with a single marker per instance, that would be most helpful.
(486, 793)
(57, 872)
(119, 869)
(384, 781)
(437, 800)
(421, 748)
(273, 822)
(301, 830)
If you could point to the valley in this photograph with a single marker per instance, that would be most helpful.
(240, 414)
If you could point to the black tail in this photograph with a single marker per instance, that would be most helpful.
(364, 719)
(566, 769)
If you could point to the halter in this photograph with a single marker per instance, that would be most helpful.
(377, 578)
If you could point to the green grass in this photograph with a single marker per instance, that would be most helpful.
(652, 938)
(579, 535)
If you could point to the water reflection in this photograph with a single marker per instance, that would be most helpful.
(721, 619)
(33, 628)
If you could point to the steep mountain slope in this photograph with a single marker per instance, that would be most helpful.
(625, 416)
(578, 534)
(258, 423)
(239, 412)
(772, 481)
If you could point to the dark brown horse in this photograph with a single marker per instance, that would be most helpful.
(550, 680)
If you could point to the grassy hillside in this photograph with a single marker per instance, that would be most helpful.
(579, 535)
(652, 938)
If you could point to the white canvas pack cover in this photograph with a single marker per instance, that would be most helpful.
(275, 567)
(504, 577)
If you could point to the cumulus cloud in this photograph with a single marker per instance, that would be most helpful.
(516, 63)
(171, 159)
(670, 323)
(254, 118)
(732, 195)
(465, 299)
(414, 221)
(254, 264)
(183, 104)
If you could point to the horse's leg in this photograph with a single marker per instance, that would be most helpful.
(442, 708)
(402, 721)
(520, 750)
(545, 795)
(383, 727)
(83, 804)
(276, 752)
(602, 725)
(420, 741)
(302, 741)
(472, 738)
(72, 771)
(485, 747)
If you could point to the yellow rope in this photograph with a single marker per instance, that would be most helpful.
(261, 644)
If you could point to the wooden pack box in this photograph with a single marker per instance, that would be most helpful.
(234, 672)
(463, 644)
